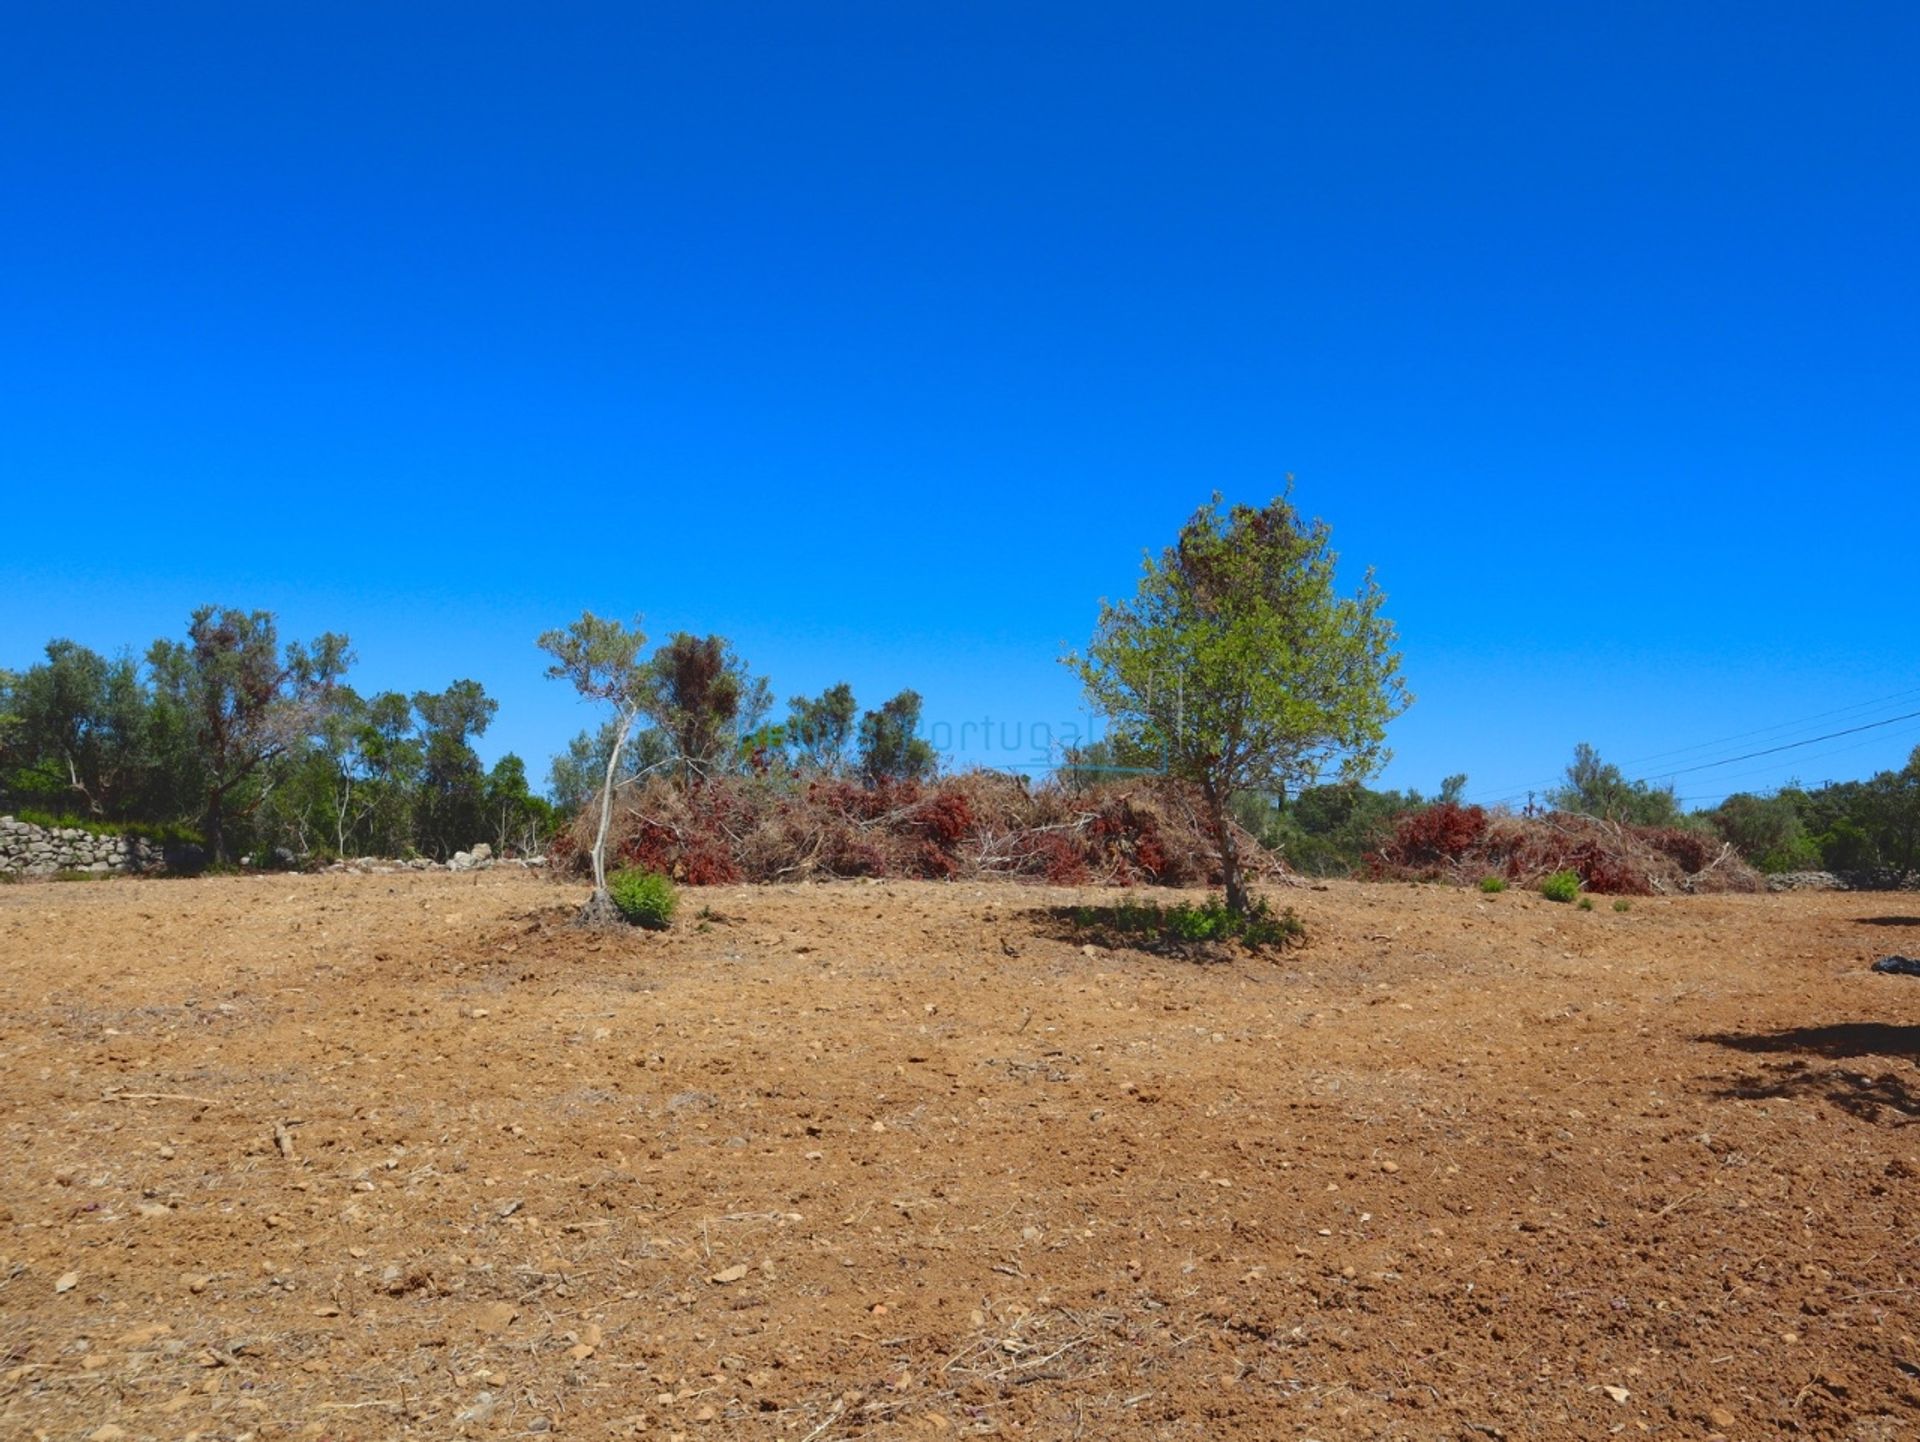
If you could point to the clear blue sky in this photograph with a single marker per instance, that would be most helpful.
(883, 338)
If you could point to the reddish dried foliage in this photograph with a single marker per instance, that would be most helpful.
(979, 824)
(1690, 850)
(1425, 841)
(1610, 858)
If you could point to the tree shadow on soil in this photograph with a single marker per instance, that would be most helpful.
(1889, 920)
(1111, 928)
(1849, 1038)
(1853, 1090)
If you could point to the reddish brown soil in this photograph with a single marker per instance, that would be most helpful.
(878, 1161)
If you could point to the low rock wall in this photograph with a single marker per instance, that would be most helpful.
(29, 850)
(1844, 881)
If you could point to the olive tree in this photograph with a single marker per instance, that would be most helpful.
(246, 703)
(1242, 668)
(601, 657)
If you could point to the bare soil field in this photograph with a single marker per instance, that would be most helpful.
(404, 1156)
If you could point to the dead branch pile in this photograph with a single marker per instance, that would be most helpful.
(974, 825)
(1463, 844)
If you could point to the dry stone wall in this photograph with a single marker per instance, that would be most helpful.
(29, 850)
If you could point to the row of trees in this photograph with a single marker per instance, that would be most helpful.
(233, 739)
(1870, 826)
(1237, 667)
(1847, 826)
(693, 710)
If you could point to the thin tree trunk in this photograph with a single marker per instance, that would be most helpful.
(216, 827)
(600, 840)
(1229, 849)
(600, 910)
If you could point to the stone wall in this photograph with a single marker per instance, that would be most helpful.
(1844, 881)
(29, 850)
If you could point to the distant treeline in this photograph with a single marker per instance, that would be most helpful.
(248, 746)
(705, 714)
(255, 748)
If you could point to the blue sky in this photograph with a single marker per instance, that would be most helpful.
(883, 338)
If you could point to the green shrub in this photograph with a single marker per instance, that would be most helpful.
(1561, 886)
(1586, 903)
(645, 898)
(1184, 924)
(1620, 903)
(1492, 884)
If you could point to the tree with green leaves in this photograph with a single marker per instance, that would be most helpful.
(575, 775)
(1598, 788)
(246, 702)
(452, 783)
(391, 754)
(1767, 830)
(819, 728)
(82, 719)
(601, 657)
(516, 819)
(319, 795)
(1239, 664)
(890, 748)
(705, 700)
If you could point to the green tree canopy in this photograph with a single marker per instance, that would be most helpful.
(245, 702)
(889, 748)
(1597, 788)
(820, 728)
(1239, 664)
(78, 734)
(705, 700)
(452, 780)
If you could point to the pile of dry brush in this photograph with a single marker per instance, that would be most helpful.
(979, 824)
(1463, 844)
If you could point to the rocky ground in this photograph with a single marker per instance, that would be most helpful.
(390, 1155)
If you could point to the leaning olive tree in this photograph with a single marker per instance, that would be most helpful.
(602, 659)
(1239, 665)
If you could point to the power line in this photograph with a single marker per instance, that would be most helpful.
(1515, 790)
(1780, 726)
(1795, 745)
(1766, 770)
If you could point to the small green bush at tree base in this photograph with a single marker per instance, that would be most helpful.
(1561, 886)
(645, 898)
(1149, 923)
(1492, 884)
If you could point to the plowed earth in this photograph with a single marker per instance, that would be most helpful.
(404, 1156)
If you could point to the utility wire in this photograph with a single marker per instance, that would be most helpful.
(1794, 745)
(1771, 750)
(1516, 790)
(1769, 770)
(1781, 726)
